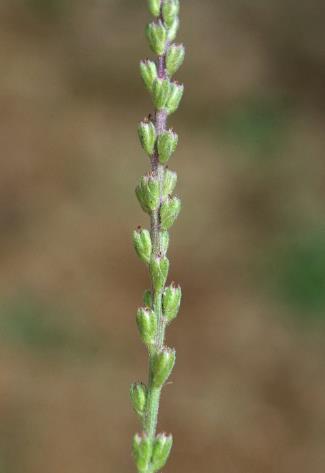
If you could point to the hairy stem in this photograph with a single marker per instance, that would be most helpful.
(152, 407)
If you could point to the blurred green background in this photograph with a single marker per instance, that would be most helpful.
(248, 393)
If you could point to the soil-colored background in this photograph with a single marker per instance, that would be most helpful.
(248, 392)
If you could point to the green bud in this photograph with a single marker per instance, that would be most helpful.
(174, 58)
(157, 37)
(159, 267)
(161, 92)
(169, 183)
(148, 71)
(142, 451)
(147, 298)
(166, 144)
(170, 11)
(175, 96)
(162, 365)
(147, 193)
(138, 394)
(169, 212)
(171, 302)
(173, 30)
(147, 136)
(142, 244)
(147, 325)
(154, 7)
(161, 450)
(164, 242)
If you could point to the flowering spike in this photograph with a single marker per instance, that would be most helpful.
(174, 58)
(155, 194)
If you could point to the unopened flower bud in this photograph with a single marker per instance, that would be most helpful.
(164, 242)
(169, 183)
(171, 302)
(169, 212)
(147, 193)
(161, 92)
(147, 136)
(175, 97)
(142, 451)
(154, 7)
(166, 144)
(147, 298)
(148, 71)
(172, 30)
(174, 58)
(147, 325)
(142, 244)
(138, 394)
(157, 37)
(162, 365)
(161, 450)
(170, 11)
(159, 267)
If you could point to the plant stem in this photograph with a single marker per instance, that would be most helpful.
(152, 407)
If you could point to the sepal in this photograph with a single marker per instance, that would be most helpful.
(169, 183)
(162, 365)
(171, 302)
(173, 30)
(148, 71)
(170, 11)
(169, 212)
(147, 193)
(154, 7)
(142, 244)
(138, 395)
(161, 450)
(157, 36)
(164, 242)
(159, 267)
(161, 92)
(174, 58)
(147, 325)
(175, 97)
(147, 136)
(142, 451)
(147, 298)
(166, 144)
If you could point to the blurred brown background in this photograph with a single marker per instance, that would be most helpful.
(248, 394)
